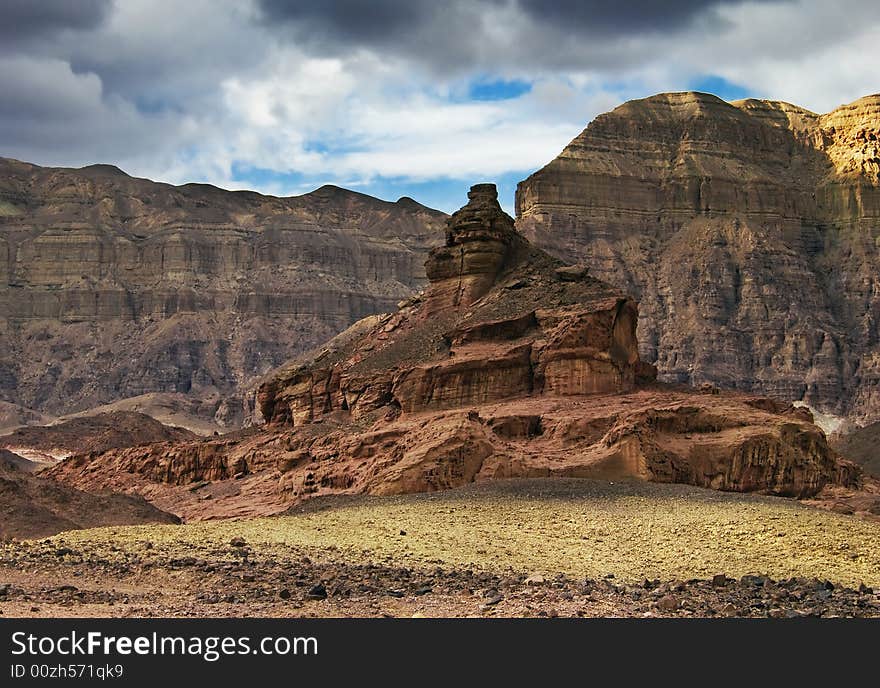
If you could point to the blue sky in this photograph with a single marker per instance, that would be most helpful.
(393, 97)
(720, 87)
(446, 193)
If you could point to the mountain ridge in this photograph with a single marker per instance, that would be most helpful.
(511, 364)
(113, 287)
(747, 230)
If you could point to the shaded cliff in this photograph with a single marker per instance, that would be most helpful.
(862, 446)
(32, 506)
(510, 364)
(114, 287)
(749, 232)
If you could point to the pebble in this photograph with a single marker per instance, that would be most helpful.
(317, 592)
(729, 609)
(667, 603)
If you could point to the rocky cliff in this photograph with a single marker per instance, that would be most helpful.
(861, 446)
(32, 506)
(114, 287)
(510, 364)
(93, 433)
(748, 231)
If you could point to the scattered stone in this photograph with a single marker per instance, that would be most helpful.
(729, 609)
(238, 542)
(720, 580)
(184, 561)
(534, 580)
(756, 581)
(667, 603)
(572, 273)
(317, 592)
(284, 594)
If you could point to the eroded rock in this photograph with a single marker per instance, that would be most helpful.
(477, 381)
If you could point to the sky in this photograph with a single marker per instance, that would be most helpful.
(391, 98)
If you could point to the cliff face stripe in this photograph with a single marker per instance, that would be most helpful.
(114, 287)
(748, 231)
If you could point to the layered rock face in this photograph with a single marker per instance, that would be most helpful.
(748, 231)
(511, 364)
(114, 287)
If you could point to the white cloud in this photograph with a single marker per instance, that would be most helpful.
(822, 59)
(373, 127)
(49, 113)
(198, 90)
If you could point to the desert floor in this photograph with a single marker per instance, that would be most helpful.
(507, 548)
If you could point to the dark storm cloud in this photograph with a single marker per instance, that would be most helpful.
(491, 35)
(626, 17)
(23, 19)
(394, 23)
(354, 19)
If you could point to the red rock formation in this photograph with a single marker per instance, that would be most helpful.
(499, 320)
(509, 365)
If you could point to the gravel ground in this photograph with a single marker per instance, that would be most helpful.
(508, 548)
